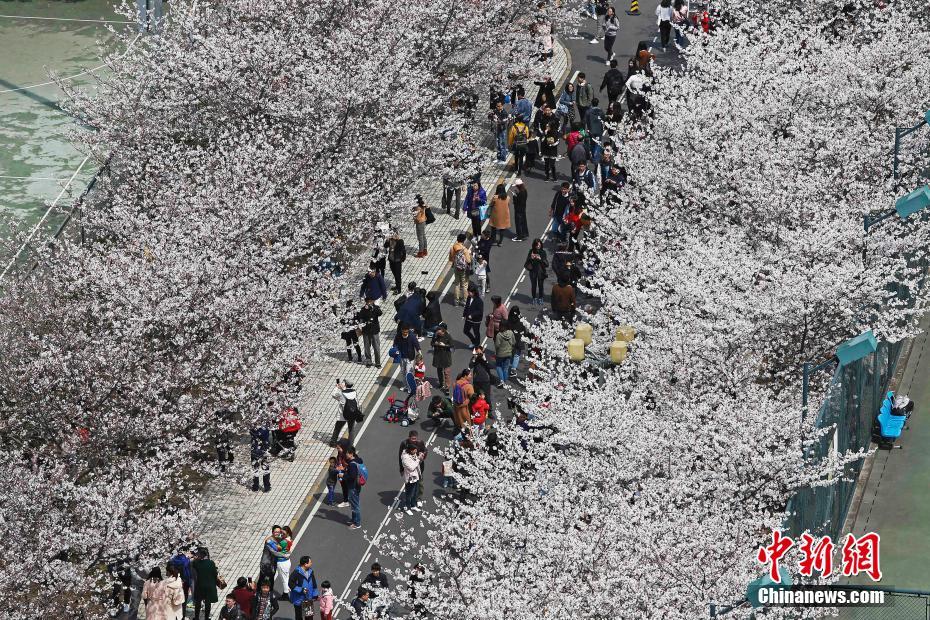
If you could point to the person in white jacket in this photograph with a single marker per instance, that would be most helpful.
(345, 395)
(410, 461)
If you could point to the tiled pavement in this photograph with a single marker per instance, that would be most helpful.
(236, 519)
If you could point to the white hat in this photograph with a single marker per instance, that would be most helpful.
(518, 182)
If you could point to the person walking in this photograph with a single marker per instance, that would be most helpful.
(473, 315)
(442, 356)
(501, 120)
(345, 395)
(451, 194)
(327, 601)
(461, 394)
(519, 139)
(536, 265)
(560, 203)
(611, 27)
(563, 301)
(413, 439)
(432, 314)
(419, 222)
(613, 81)
(371, 330)
(504, 344)
(515, 320)
(550, 151)
(261, 468)
(205, 582)
(583, 96)
(410, 470)
(483, 250)
(500, 213)
(460, 258)
(567, 107)
(497, 316)
(354, 482)
(243, 593)
(303, 589)
(680, 21)
(476, 201)
(396, 255)
(373, 285)
(664, 13)
(407, 346)
(594, 125)
(481, 372)
(519, 211)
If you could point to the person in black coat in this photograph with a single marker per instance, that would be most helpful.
(546, 93)
(396, 255)
(519, 211)
(483, 249)
(473, 315)
(432, 315)
(536, 264)
(371, 328)
(481, 373)
(613, 81)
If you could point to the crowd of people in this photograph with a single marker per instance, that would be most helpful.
(571, 126)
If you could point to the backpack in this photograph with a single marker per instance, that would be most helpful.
(461, 261)
(362, 473)
(521, 138)
(350, 411)
(458, 394)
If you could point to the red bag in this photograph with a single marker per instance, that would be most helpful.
(289, 421)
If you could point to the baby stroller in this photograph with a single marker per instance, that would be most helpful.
(891, 419)
(284, 438)
(403, 411)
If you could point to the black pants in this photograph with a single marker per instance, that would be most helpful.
(665, 29)
(523, 230)
(395, 270)
(206, 609)
(476, 227)
(536, 284)
(473, 332)
(519, 158)
(337, 431)
(351, 338)
(447, 199)
(550, 166)
(609, 48)
(498, 234)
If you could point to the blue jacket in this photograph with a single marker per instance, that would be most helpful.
(184, 567)
(472, 202)
(374, 287)
(302, 585)
(408, 346)
(410, 312)
(524, 110)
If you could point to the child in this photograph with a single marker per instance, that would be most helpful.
(419, 368)
(332, 478)
(327, 601)
(481, 272)
(479, 410)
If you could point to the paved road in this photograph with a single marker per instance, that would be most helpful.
(343, 556)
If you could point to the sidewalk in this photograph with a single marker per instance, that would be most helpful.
(236, 519)
(895, 500)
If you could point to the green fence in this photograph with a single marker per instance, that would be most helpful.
(899, 604)
(852, 402)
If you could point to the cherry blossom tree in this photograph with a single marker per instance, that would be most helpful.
(250, 152)
(737, 252)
